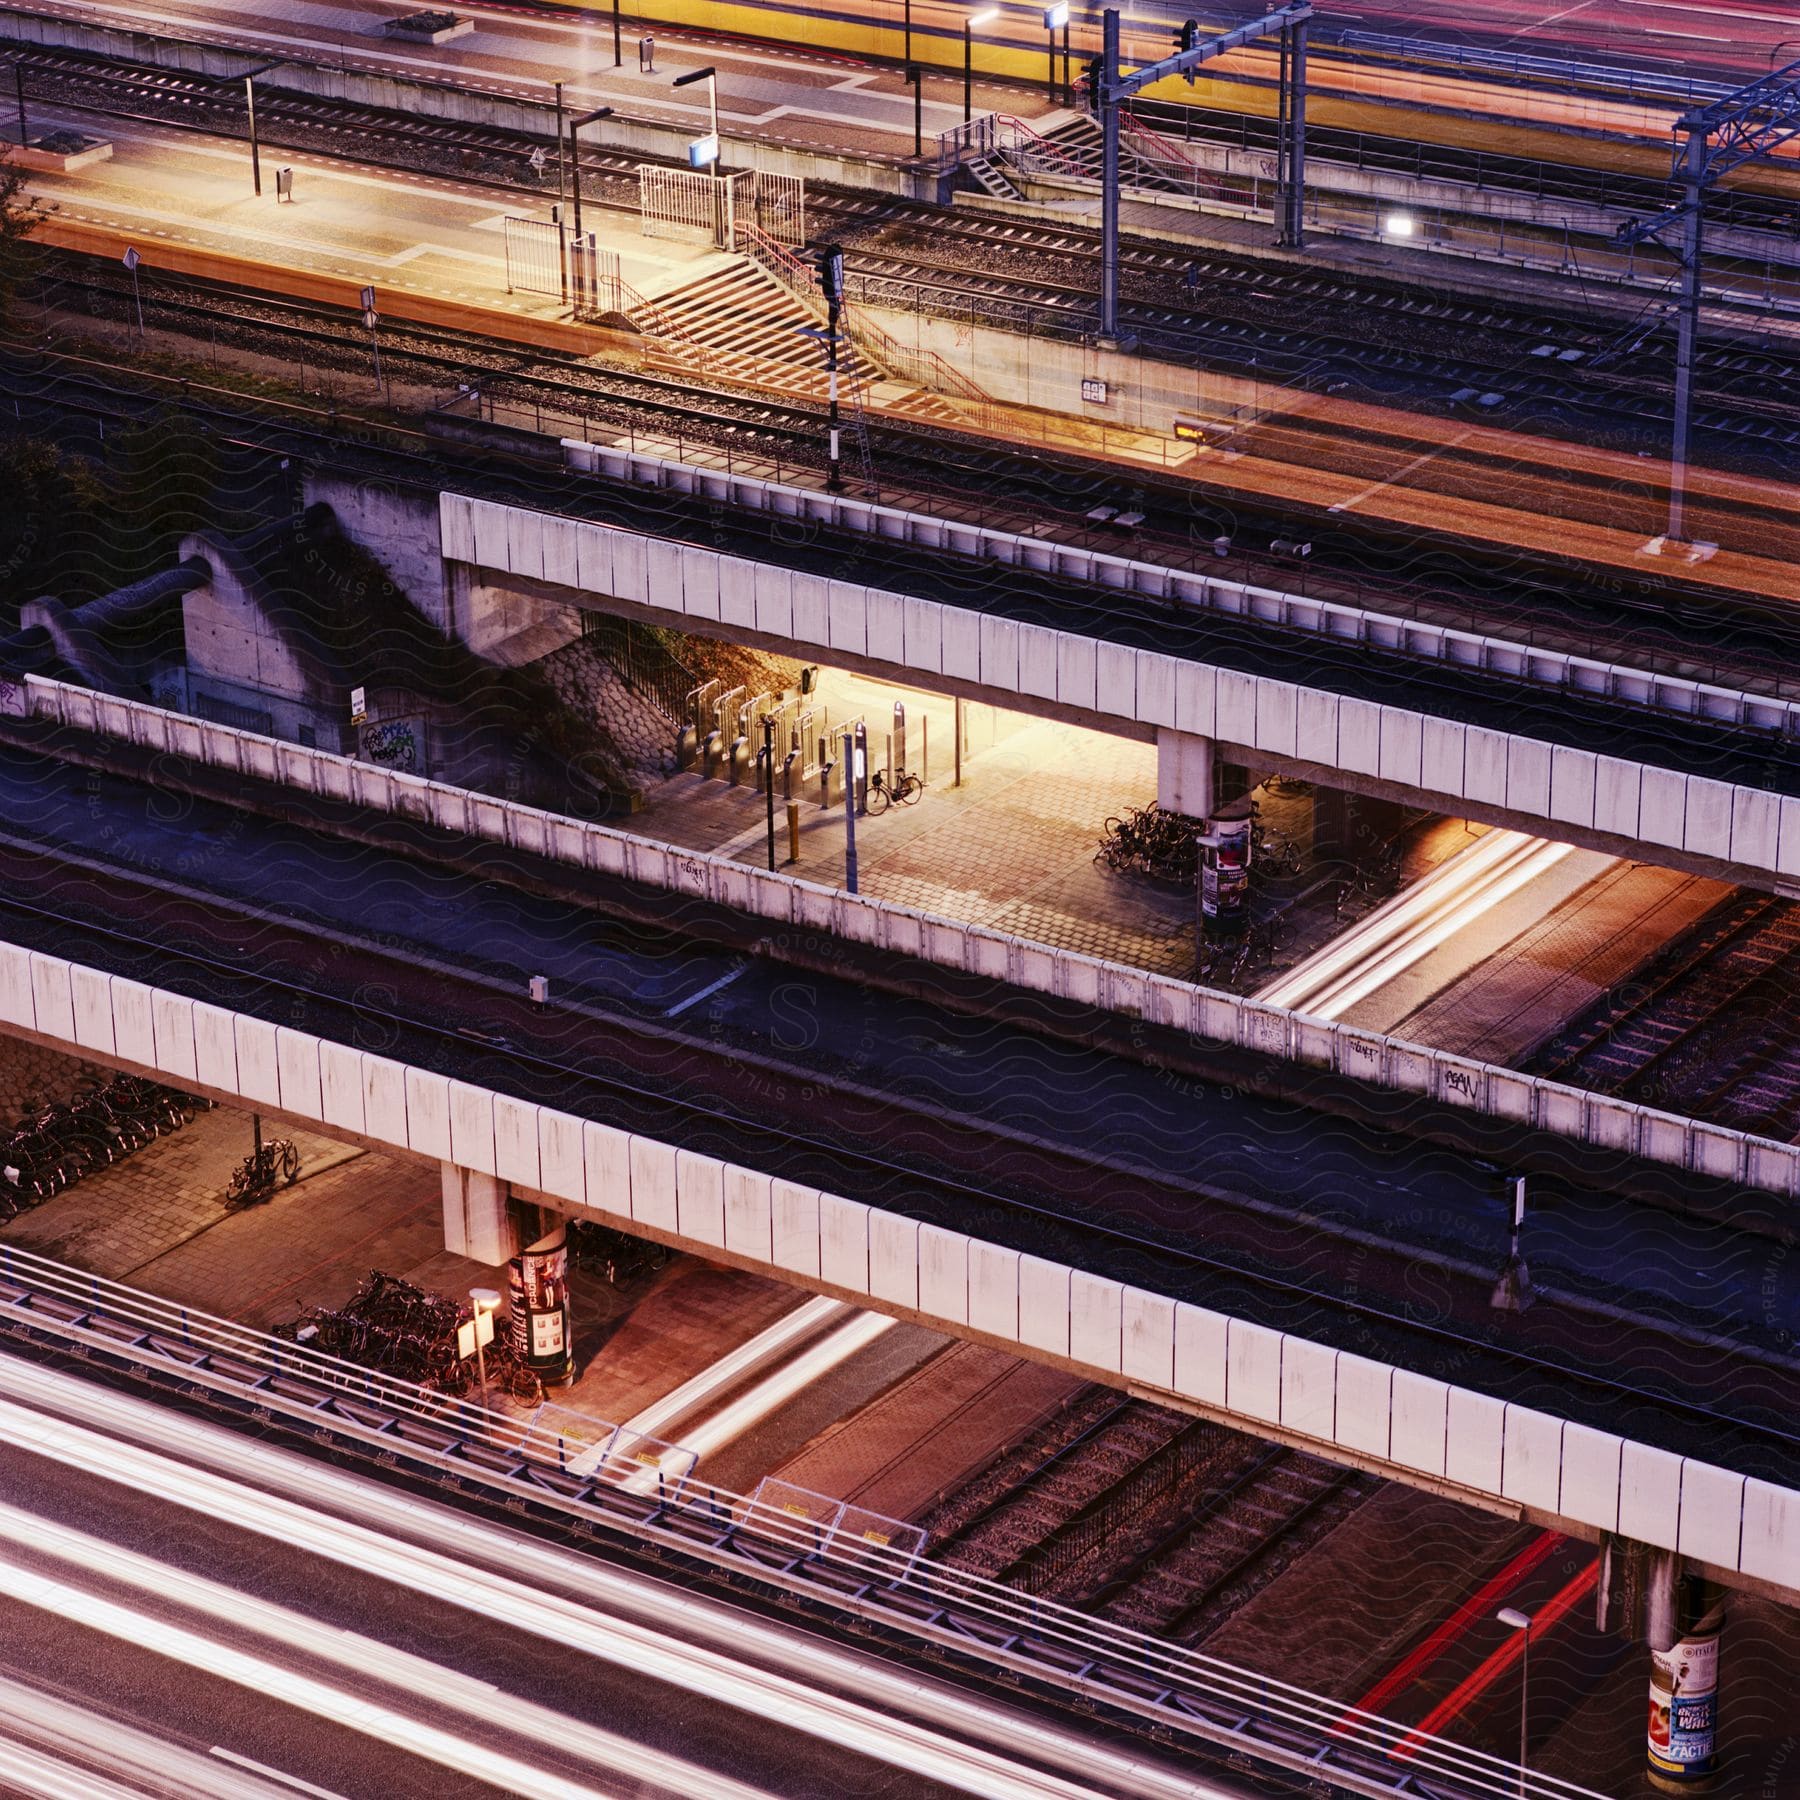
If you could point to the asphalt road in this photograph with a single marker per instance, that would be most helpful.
(273, 1622)
(1260, 1208)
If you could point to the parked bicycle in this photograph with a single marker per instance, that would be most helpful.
(904, 790)
(275, 1163)
(53, 1145)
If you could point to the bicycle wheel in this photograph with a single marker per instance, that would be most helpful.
(290, 1162)
(911, 787)
(877, 798)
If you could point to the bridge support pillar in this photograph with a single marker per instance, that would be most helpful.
(1186, 773)
(479, 1220)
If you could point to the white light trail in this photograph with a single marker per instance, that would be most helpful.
(873, 1724)
(362, 1656)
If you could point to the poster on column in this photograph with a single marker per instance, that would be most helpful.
(1684, 1711)
(539, 1281)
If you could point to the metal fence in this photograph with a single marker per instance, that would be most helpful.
(534, 257)
(837, 1557)
(780, 202)
(683, 203)
(596, 286)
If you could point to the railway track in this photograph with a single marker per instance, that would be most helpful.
(624, 1078)
(1478, 343)
(1707, 1028)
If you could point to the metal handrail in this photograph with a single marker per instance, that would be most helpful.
(1196, 1692)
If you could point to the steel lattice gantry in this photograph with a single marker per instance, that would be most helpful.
(1712, 141)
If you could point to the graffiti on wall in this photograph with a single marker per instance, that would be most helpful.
(394, 744)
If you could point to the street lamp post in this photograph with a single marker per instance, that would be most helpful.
(19, 95)
(1056, 18)
(1515, 1620)
(916, 78)
(486, 1302)
(587, 118)
(970, 24)
(255, 154)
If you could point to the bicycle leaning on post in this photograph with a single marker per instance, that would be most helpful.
(905, 790)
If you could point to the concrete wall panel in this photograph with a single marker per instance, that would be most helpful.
(427, 1110)
(1037, 660)
(887, 627)
(1755, 820)
(52, 998)
(1475, 1440)
(1044, 1305)
(1650, 1495)
(1147, 1338)
(516, 1157)
(172, 1016)
(994, 1290)
(90, 995)
(1253, 1370)
(631, 573)
(1076, 666)
(1528, 776)
(1443, 745)
(772, 601)
(1156, 688)
(700, 598)
(1712, 1514)
(849, 617)
(1572, 781)
(1235, 717)
(1277, 717)
(1201, 1354)
(794, 1212)
(1531, 1472)
(1787, 853)
(215, 1046)
(562, 1170)
(259, 1076)
(1420, 1422)
(654, 1186)
(962, 644)
(924, 635)
(1771, 1548)
(944, 1274)
(844, 1243)
(472, 1128)
(1662, 807)
(1590, 1476)
(1484, 765)
(893, 1258)
(700, 1197)
(1309, 1388)
(297, 1063)
(812, 609)
(1096, 1321)
(999, 653)
(1196, 698)
(1359, 736)
(1116, 680)
(1316, 726)
(1708, 817)
(1617, 790)
(15, 988)
(749, 1214)
(384, 1100)
(1364, 1416)
(606, 1162)
(340, 1084)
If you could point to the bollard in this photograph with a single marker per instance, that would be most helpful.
(793, 831)
(709, 754)
(738, 757)
(825, 769)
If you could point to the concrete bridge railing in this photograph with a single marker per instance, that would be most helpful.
(1203, 1013)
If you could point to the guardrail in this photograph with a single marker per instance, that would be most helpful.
(1509, 659)
(1204, 1014)
(844, 1560)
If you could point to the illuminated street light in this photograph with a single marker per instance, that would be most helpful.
(1399, 225)
(1056, 18)
(1514, 1620)
(587, 118)
(486, 1302)
(703, 153)
(970, 25)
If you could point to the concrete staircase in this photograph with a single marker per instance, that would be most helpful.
(735, 322)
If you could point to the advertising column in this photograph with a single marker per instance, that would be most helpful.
(1684, 1710)
(539, 1281)
(1225, 872)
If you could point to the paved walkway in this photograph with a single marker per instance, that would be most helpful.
(1012, 848)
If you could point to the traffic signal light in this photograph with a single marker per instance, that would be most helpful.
(1185, 40)
(1094, 70)
(831, 272)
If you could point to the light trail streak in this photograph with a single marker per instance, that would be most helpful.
(874, 1723)
(368, 1657)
